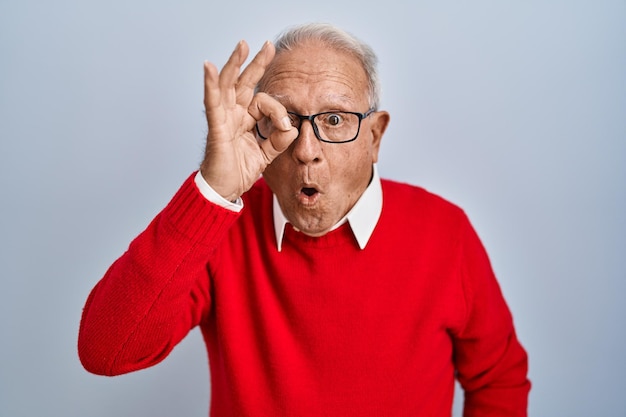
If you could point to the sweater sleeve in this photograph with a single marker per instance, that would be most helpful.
(157, 291)
(491, 363)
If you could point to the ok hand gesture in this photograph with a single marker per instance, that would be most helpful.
(234, 157)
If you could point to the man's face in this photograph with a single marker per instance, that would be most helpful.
(317, 183)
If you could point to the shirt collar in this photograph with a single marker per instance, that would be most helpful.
(362, 217)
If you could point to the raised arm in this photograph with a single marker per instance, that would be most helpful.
(234, 156)
(159, 289)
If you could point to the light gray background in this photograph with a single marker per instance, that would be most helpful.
(514, 110)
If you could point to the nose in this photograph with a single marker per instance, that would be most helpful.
(307, 148)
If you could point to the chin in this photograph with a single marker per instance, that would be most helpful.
(310, 226)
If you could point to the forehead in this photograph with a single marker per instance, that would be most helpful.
(315, 72)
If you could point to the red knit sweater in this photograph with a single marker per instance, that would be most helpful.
(322, 328)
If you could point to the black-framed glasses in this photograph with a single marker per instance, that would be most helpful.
(328, 126)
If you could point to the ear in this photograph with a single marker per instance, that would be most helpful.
(378, 125)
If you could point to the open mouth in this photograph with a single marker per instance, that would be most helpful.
(308, 196)
(308, 191)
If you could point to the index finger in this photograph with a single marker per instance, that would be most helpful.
(253, 73)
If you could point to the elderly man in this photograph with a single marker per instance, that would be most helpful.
(320, 289)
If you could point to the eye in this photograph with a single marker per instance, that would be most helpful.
(333, 119)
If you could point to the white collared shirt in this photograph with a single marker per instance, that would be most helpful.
(362, 218)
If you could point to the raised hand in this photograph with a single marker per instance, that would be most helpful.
(234, 157)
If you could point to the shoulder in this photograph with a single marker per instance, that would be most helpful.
(425, 214)
(404, 197)
(415, 215)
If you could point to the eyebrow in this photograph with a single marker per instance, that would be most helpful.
(282, 98)
(331, 99)
(341, 98)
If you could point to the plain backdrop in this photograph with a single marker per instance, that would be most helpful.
(514, 110)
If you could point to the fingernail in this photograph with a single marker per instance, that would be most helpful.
(286, 122)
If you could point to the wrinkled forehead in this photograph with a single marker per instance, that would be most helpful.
(314, 64)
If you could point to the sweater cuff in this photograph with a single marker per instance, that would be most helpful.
(210, 194)
(197, 218)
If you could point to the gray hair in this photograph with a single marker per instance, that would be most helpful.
(340, 40)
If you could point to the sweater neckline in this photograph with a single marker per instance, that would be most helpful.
(341, 236)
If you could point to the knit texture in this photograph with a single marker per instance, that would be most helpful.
(321, 328)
